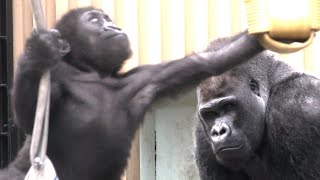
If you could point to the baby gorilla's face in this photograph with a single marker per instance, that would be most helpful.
(106, 46)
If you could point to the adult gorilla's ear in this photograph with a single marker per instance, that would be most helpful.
(63, 45)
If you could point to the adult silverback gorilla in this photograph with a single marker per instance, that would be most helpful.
(95, 110)
(259, 120)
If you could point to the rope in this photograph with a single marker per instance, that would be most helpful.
(42, 167)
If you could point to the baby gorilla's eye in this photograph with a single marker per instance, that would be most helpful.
(93, 19)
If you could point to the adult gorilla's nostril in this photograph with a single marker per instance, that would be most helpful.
(220, 131)
(223, 131)
(215, 133)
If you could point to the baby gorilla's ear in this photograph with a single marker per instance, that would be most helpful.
(63, 45)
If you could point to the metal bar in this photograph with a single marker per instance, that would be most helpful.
(4, 153)
(13, 141)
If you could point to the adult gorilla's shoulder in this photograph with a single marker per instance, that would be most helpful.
(292, 119)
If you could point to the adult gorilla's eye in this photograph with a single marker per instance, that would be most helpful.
(254, 86)
(209, 115)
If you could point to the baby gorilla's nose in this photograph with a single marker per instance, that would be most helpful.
(110, 26)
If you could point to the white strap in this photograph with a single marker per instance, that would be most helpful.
(42, 168)
(39, 140)
(46, 172)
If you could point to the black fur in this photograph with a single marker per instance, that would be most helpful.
(272, 123)
(95, 110)
(18, 168)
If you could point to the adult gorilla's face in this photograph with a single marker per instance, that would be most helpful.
(100, 42)
(231, 109)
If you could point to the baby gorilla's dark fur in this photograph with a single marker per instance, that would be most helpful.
(18, 168)
(259, 121)
(95, 111)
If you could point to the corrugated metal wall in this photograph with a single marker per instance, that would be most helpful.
(161, 30)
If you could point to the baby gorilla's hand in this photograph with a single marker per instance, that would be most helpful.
(46, 46)
(63, 45)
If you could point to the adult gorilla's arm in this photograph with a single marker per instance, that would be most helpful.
(166, 79)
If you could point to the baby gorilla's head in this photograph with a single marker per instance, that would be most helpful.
(96, 43)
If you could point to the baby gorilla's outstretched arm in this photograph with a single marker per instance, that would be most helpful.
(43, 50)
(157, 81)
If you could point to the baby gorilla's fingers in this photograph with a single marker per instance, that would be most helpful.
(50, 38)
(46, 47)
(63, 45)
(55, 33)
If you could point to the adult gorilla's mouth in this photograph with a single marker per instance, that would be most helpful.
(229, 149)
(233, 156)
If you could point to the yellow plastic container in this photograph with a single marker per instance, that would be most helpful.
(283, 26)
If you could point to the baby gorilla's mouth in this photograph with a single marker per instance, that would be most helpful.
(110, 35)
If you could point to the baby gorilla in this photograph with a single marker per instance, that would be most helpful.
(95, 110)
